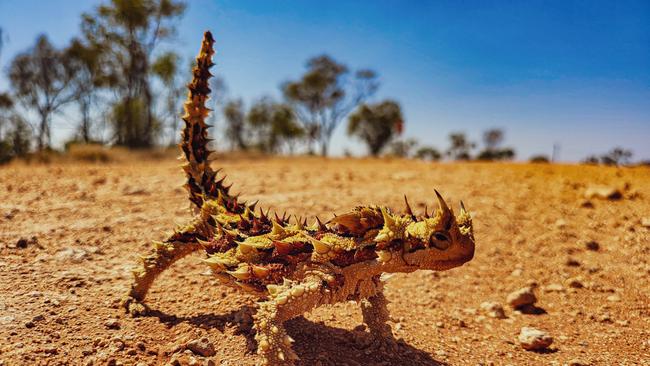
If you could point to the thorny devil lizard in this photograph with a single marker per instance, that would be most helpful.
(294, 267)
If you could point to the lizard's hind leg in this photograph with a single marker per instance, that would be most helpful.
(164, 255)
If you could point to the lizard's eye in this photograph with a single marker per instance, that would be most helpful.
(440, 240)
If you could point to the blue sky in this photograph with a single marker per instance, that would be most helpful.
(576, 73)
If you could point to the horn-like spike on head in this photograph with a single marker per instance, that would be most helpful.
(441, 202)
(408, 208)
(426, 213)
(277, 218)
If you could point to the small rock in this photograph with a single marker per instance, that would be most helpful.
(21, 243)
(645, 222)
(614, 298)
(554, 287)
(493, 309)
(571, 262)
(560, 223)
(575, 283)
(202, 347)
(74, 255)
(586, 204)
(603, 192)
(522, 297)
(112, 324)
(532, 339)
(7, 319)
(30, 324)
(592, 245)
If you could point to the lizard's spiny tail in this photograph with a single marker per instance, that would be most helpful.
(201, 179)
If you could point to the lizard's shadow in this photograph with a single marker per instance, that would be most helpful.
(315, 342)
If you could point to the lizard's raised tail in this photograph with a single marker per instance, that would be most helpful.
(201, 179)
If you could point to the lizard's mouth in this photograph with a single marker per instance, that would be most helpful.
(425, 260)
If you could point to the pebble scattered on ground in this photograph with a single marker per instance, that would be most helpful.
(533, 339)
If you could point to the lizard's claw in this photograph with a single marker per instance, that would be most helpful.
(134, 307)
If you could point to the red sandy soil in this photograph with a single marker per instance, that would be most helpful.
(71, 232)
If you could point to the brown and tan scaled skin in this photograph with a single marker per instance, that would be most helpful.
(294, 267)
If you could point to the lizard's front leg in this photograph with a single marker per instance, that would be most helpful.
(375, 314)
(286, 301)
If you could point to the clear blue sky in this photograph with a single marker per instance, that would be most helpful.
(575, 73)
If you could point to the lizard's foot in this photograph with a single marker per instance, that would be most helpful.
(273, 342)
(134, 307)
(383, 342)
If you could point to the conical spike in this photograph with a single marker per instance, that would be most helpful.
(242, 273)
(299, 223)
(277, 229)
(426, 213)
(260, 272)
(159, 245)
(273, 289)
(246, 248)
(321, 226)
(277, 218)
(252, 206)
(216, 263)
(262, 215)
(441, 202)
(388, 219)
(247, 212)
(203, 243)
(319, 246)
(282, 248)
(463, 211)
(408, 208)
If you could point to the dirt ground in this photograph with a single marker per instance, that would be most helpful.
(71, 233)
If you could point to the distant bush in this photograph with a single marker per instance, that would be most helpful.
(616, 156)
(94, 153)
(428, 153)
(539, 159)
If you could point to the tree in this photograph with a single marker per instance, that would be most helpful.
(616, 156)
(539, 159)
(236, 131)
(492, 140)
(460, 147)
(86, 81)
(376, 124)
(273, 124)
(402, 148)
(428, 153)
(14, 132)
(166, 69)
(41, 79)
(127, 32)
(323, 97)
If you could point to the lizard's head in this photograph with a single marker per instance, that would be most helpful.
(439, 242)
